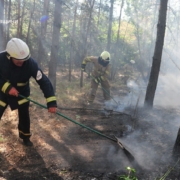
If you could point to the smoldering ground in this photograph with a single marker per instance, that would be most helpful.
(153, 132)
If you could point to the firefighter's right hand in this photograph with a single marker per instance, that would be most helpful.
(83, 66)
(13, 92)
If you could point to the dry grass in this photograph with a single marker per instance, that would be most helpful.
(67, 93)
(70, 94)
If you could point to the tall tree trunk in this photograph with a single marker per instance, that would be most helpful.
(30, 20)
(9, 17)
(86, 36)
(42, 36)
(99, 13)
(6, 17)
(2, 37)
(19, 15)
(151, 88)
(151, 37)
(176, 148)
(110, 25)
(119, 20)
(55, 43)
(72, 40)
(118, 50)
(22, 19)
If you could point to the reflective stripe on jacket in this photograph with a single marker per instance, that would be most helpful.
(18, 77)
(98, 70)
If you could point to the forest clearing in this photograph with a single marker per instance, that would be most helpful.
(102, 79)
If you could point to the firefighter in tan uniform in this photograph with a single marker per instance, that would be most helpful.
(100, 75)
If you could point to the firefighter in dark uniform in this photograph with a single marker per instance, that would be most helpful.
(16, 68)
(100, 75)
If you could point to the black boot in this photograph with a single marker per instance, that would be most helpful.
(27, 142)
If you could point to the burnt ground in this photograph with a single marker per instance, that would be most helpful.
(64, 150)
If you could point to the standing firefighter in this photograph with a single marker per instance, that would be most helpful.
(16, 68)
(100, 75)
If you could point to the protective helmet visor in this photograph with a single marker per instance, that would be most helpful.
(24, 59)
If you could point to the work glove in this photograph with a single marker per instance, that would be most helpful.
(83, 66)
(52, 109)
(97, 80)
(13, 92)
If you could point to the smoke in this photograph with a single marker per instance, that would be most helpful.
(155, 132)
(117, 158)
(168, 91)
(153, 138)
(134, 97)
(166, 94)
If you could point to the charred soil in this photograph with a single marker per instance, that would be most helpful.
(64, 150)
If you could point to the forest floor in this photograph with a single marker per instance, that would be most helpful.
(65, 150)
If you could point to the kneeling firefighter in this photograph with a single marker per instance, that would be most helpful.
(16, 68)
(100, 75)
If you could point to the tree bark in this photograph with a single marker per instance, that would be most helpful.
(9, 16)
(118, 50)
(30, 19)
(151, 38)
(151, 88)
(55, 43)
(19, 15)
(86, 36)
(72, 40)
(22, 19)
(42, 36)
(99, 13)
(6, 17)
(2, 37)
(110, 25)
(176, 149)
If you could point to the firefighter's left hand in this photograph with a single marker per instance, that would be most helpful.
(52, 109)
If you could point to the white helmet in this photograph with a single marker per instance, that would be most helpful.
(18, 49)
(105, 56)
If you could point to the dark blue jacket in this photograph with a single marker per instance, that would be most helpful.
(18, 77)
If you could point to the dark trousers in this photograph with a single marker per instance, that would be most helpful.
(24, 120)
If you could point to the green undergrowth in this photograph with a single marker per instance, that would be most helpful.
(131, 174)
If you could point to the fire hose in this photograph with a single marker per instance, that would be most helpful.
(127, 153)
